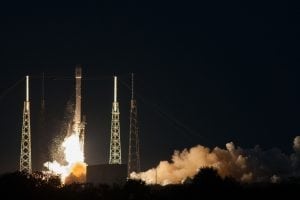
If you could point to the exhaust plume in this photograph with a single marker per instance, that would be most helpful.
(245, 165)
(74, 170)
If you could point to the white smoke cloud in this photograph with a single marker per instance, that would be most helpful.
(297, 144)
(245, 165)
(295, 157)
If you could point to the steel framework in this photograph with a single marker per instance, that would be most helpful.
(115, 141)
(25, 155)
(134, 151)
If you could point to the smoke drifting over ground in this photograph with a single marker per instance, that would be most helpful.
(245, 165)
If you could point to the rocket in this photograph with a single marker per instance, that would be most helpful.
(78, 125)
(77, 113)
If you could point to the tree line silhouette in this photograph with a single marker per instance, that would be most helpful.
(206, 183)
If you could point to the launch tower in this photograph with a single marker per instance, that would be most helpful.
(115, 141)
(25, 156)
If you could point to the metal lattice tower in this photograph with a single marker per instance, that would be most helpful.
(134, 151)
(25, 156)
(115, 141)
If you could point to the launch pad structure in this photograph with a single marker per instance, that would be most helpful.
(113, 172)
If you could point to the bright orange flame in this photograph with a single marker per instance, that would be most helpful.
(78, 172)
(79, 169)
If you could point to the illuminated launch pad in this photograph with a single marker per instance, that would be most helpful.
(69, 160)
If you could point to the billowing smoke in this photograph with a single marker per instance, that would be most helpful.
(297, 144)
(295, 157)
(244, 165)
(74, 168)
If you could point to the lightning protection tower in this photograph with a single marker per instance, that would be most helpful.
(115, 141)
(25, 156)
(134, 152)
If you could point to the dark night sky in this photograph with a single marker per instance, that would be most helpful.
(207, 73)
